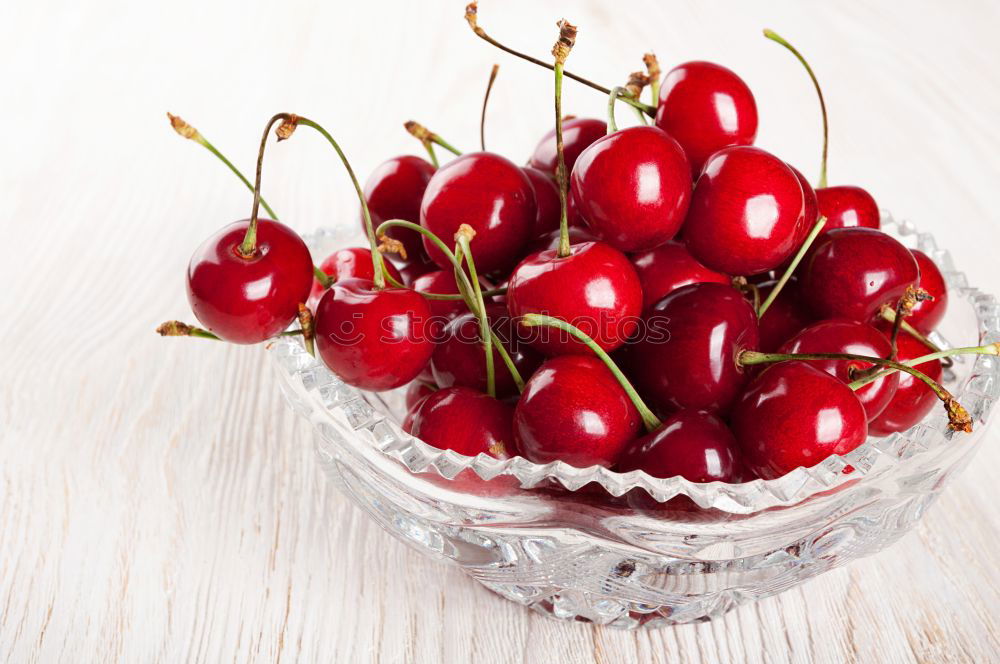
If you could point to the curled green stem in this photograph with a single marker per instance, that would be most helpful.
(463, 239)
(799, 255)
(988, 349)
(614, 95)
(649, 420)
(248, 249)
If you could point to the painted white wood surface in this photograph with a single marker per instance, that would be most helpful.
(158, 503)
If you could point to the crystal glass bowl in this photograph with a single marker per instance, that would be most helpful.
(626, 549)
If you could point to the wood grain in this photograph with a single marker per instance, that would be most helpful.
(158, 503)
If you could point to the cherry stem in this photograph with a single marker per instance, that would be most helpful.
(248, 249)
(889, 314)
(799, 255)
(775, 37)
(561, 51)
(430, 151)
(463, 239)
(988, 349)
(614, 95)
(486, 100)
(463, 285)
(176, 328)
(427, 137)
(470, 16)
(649, 420)
(958, 417)
(189, 132)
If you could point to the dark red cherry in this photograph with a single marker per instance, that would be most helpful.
(466, 421)
(851, 272)
(706, 107)
(413, 269)
(848, 336)
(810, 207)
(490, 194)
(440, 282)
(373, 339)
(595, 288)
(349, 263)
(786, 317)
(246, 301)
(394, 191)
(913, 399)
(459, 358)
(668, 267)
(686, 353)
(746, 213)
(632, 188)
(847, 207)
(574, 410)
(794, 414)
(550, 240)
(546, 201)
(927, 314)
(416, 392)
(578, 133)
(696, 445)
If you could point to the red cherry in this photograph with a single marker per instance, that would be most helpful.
(416, 392)
(913, 399)
(686, 356)
(394, 191)
(927, 314)
(810, 207)
(668, 267)
(466, 421)
(633, 187)
(848, 336)
(550, 240)
(490, 194)
(349, 263)
(847, 207)
(574, 410)
(578, 133)
(546, 201)
(459, 358)
(706, 107)
(696, 445)
(246, 301)
(373, 339)
(851, 272)
(746, 213)
(413, 269)
(785, 318)
(595, 288)
(440, 282)
(794, 414)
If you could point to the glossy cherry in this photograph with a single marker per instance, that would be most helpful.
(578, 133)
(794, 414)
(595, 288)
(466, 421)
(373, 339)
(633, 188)
(394, 191)
(746, 213)
(546, 201)
(490, 194)
(913, 399)
(668, 267)
(851, 272)
(786, 317)
(927, 314)
(810, 206)
(848, 336)
(706, 107)
(846, 206)
(574, 410)
(686, 354)
(416, 391)
(411, 270)
(696, 445)
(550, 240)
(440, 282)
(460, 358)
(249, 300)
(348, 263)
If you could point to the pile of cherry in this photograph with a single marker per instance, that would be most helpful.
(664, 297)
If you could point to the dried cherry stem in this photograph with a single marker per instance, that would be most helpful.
(428, 137)
(636, 82)
(799, 255)
(291, 121)
(176, 328)
(306, 327)
(248, 249)
(888, 313)
(775, 37)
(463, 240)
(560, 51)
(649, 420)
(471, 11)
(486, 100)
(988, 349)
(958, 417)
(190, 133)
(464, 285)
(653, 72)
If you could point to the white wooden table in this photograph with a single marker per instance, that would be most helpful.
(157, 500)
